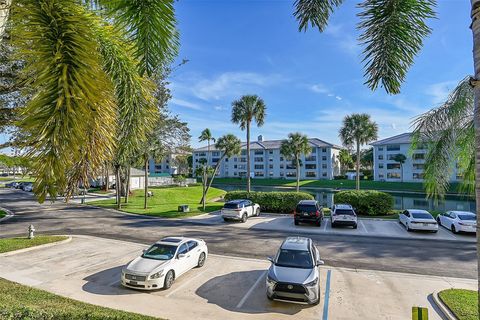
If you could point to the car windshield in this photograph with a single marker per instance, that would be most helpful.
(346, 212)
(160, 252)
(306, 208)
(294, 259)
(421, 215)
(230, 206)
(469, 217)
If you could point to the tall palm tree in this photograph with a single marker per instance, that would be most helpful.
(206, 135)
(293, 148)
(245, 110)
(358, 130)
(229, 146)
(400, 158)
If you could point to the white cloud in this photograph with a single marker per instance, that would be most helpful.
(338, 98)
(319, 88)
(186, 104)
(440, 91)
(220, 108)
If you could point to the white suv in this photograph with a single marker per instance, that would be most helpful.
(240, 210)
(343, 214)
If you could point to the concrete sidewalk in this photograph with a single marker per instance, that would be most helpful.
(88, 269)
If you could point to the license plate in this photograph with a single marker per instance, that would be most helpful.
(133, 282)
(306, 214)
(345, 217)
(425, 224)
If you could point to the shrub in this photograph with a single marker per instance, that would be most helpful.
(340, 177)
(276, 202)
(366, 202)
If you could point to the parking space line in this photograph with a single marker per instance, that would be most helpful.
(403, 229)
(249, 292)
(363, 226)
(325, 222)
(185, 284)
(327, 296)
(447, 232)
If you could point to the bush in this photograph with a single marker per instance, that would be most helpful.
(366, 202)
(276, 202)
(340, 177)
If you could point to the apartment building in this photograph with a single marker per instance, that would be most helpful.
(267, 162)
(387, 169)
(167, 165)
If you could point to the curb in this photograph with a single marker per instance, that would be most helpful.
(8, 216)
(42, 246)
(446, 312)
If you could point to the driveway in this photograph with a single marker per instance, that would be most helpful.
(88, 269)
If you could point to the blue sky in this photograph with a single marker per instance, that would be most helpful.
(309, 81)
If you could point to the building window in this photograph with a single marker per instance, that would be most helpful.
(158, 167)
(235, 159)
(259, 174)
(244, 152)
(259, 166)
(257, 152)
(310, 166)
(311, 174)
(291, 166)
(311, 158)
(270, 159)
(418, 156)
(235, 166)
(270, 151)
(380, 157)
(270, 174)
(258, 159)
(391, 166)
(324, 149)
(380, 176)
(243, 159)
(281, 174)
(393, 147)
(281, 158)
(215, 154)
(324, 158)
(324, 166)
(270, 166)
(420, 203)
(291, 174)
(281, 165)
(380, 166)
(324, 174)
(393, 175)
(418, 176)
(380, 148)
(418, 166)
(215, 160)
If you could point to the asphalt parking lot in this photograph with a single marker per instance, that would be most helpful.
(88, 269)
(366, 227)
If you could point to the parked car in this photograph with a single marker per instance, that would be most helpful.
(163, 262)
(308, 211)
(11, 184)
(28, 187)
(415, 219)
(19, 185)
(343, 215)
(293, 275)
(458, 221)
(240, 210)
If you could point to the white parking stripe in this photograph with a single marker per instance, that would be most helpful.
(402, 227)
(185, 284)
(249, 292)
(363, 226)
(325, 222)
(444, 230)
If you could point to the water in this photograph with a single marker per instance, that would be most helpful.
(402, 200)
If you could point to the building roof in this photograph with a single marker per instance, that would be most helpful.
(275, 144)
(403, 138)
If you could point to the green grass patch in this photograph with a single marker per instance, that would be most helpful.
(12, 244)
(335, 184)
(165, 202)
(30, 303)
(463, 303)
(2, 214)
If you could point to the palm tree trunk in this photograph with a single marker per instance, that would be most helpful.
(4, 13)
(298, 174)
(145, 184)
(401, 172)
(107, 177)
(118, 187)
(248, 156)
(211, 180)
(357, 178)
(127, 191)
(476, 61)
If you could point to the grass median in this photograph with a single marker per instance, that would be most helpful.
(2, 214)
(22, 302)
(12, 244)
(165, 202)
(462, 302)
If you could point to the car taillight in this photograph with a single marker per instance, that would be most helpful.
(294, 212)
(317, 213)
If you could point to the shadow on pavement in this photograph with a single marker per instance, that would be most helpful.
(107, 282)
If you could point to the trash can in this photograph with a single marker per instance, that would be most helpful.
(183, 208)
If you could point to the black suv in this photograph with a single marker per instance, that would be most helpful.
(308, 211)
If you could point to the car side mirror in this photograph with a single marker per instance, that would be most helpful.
(181, 255)
(320, 262)
(144, 250)
(270, 259)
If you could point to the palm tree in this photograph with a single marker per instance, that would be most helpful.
(358, 129)
(245, 110)
(229, 146)
(400, 158)
(206, 135)
(345, 159)
(293, 148)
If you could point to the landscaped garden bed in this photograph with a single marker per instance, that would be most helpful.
(463, 303)
(12, 244)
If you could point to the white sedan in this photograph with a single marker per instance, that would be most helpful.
(415, 219)
(458, 221)
(163, 262)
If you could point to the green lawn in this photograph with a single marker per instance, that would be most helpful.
(2, 214)
(165, 201)
(29, 303)
(11, 244)
(463, 303)
(333, 184)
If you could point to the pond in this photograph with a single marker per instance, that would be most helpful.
(402, 200)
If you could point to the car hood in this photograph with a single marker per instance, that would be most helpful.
(143, 265)
(293, 275)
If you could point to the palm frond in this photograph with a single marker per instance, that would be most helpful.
(357, 128)
(449, 136)
(56, 40)
(392, 34)
(314, 13)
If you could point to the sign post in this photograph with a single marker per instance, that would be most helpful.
(419, 313)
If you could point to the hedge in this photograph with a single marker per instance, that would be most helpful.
(275, 202)
(366, 202)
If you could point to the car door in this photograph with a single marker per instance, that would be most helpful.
(182, 263)
(403, 217)
(194, 253)
(451, 219)
(250, 208)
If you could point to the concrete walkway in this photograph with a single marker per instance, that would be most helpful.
(88, 269)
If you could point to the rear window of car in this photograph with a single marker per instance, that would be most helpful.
(468, 217)
(231, 206)
(345, 212)
(422, 215)
(306, 208)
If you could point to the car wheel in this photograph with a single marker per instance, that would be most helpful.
(244, 218)
(257, 212)
(355, 226)
(269, 298)
(408, 227)
(169, 279)
(439, 221)
(316, 302)
(226, 219)
(201, 260)
(296, 222)
(334, 225)
(454, 230)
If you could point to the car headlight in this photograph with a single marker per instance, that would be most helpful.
(312, 283)
(271, 282)
(156, 275)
